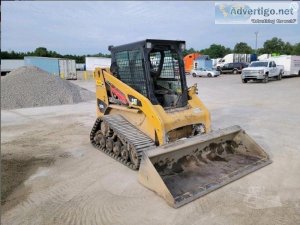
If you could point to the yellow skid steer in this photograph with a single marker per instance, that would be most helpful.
(149, 120)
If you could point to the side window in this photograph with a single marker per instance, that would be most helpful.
(170, 67)
(122, 61)
(274, 64)
(270, 64)
(131, 70)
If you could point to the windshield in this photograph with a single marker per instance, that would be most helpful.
(259, 64)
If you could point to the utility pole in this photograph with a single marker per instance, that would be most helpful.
(256, 33)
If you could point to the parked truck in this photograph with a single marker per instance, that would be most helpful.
(215, 62)
(233, 58)
(64, 68)
(262, 70)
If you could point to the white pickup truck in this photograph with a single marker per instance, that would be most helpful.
(262, 70)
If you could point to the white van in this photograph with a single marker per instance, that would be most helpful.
(232, 58)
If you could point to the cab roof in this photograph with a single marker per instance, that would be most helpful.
(142, 43)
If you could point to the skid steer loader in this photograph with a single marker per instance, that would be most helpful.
(149, 120)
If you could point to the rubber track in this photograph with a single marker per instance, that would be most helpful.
(125, 131)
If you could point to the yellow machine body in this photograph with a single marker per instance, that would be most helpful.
(152, 120)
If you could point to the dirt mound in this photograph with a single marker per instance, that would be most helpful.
(30, 86)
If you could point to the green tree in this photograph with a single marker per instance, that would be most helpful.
(5, 55)
(54, 54)
(188, 51)
(288, 48)
(103, 55)
(228, 51)
(242, 47)
(41, 51)
(260, 51)
(216, 51)
(296, 49)
(275, 45)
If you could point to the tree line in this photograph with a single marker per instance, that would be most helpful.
(274, 45)
(44, 52)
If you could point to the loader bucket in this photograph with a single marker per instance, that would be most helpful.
(187, 169)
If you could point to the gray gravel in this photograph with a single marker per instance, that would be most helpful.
(30, 86)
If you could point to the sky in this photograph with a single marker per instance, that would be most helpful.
(89, 27)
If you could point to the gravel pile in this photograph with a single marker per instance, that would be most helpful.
(30, 86)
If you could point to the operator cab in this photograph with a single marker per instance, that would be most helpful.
(154, 68)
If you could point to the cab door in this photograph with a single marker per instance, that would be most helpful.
(272, 69)
(275, 69)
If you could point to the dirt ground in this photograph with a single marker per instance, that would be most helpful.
(52, 175)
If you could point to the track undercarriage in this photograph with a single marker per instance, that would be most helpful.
(116, 137)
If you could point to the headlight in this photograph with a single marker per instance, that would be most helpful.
(261, 71)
